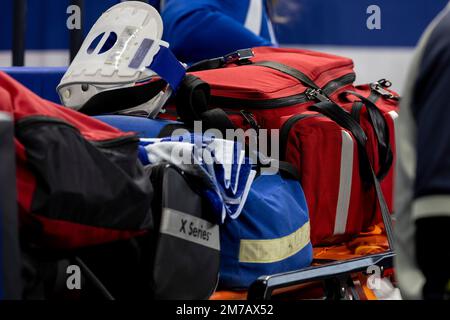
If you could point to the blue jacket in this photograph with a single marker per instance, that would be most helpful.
(201, 29)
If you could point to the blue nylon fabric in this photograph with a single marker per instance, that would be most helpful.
(204, 29)
(275, 207)
(40, 80)
(166, 65)
(144, 127)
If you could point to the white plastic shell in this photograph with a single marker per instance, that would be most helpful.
(96, 68)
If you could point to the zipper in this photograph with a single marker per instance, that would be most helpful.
(316, 94)
(286, 128)
(309, 95)
(248, 117)
(32, 120)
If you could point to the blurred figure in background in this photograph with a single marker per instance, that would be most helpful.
(202, 29)
(423, 184)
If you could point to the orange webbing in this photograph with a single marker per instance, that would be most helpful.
(371, 242)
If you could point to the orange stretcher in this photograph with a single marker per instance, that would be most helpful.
(338, 272)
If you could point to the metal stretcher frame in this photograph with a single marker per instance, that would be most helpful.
(263, 287)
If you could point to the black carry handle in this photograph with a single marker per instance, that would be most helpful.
(240, 57)
(286, 169)
(345, 120)
(381, 129)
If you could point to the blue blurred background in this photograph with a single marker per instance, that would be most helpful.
(337, 26)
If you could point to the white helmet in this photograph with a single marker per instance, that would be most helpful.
(123, 65)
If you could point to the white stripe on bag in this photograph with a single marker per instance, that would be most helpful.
(345, 184)
(394, 116)
(189, 228)
(254, 16)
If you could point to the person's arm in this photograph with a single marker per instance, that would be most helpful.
(431, 206)
(206, 33)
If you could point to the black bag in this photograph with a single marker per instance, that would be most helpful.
(178, 259)
(186, 241)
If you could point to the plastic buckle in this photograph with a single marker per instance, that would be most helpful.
(380, 86)
(238, 56)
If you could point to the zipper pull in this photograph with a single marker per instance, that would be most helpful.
(380, 86)
(250, 118)
(316, 94)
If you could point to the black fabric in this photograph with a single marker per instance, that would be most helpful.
(239, 57)
(9, 225)
(430, 110)
(182, 269)
(381, 129)
(168, 130)
(150, 266)
(192, 99)
(208, 64)
(345, 120)
(114, 101)
(433, 255)
(288, 170)
(217, 119)
(98, 184)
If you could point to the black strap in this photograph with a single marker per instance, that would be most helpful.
(333, 111)
(192, 99)
(344, 119)
(239, 57)
(207, 64)
(381, 129)
(288, 170)
(329, 109)
(356, 110)
(297, 74)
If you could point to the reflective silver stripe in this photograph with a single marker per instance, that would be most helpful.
(254, 16)
(190, 228)
(431, 206)
(345, 184)
(394, 116)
